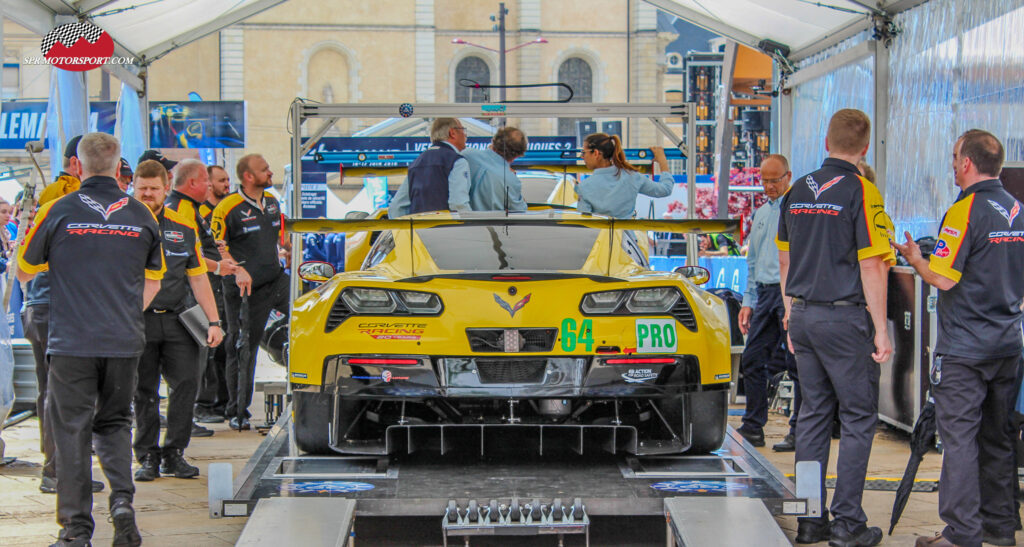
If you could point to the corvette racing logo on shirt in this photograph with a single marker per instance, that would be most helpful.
(105, 211)
(1009, 216)
(818, 190)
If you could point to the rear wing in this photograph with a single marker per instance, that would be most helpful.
(693, 226)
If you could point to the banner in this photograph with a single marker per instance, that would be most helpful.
(23, 121)
(197, 124)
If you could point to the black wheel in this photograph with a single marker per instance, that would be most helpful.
(472, 511)
(312, 412)
(556, 510)
(514, 512)
(453, 511)
(707, 414)
(577, 508)
(492, 511)
(535, 510)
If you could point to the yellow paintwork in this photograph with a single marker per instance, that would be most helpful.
(471, 304)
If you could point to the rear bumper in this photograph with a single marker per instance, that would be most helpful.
(369, 377)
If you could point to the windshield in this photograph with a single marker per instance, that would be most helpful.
(496, 248)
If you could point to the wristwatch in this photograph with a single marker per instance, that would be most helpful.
(215, 323)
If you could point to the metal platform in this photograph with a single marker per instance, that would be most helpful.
(414, 485)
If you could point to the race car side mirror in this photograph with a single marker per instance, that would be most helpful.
(697, 275)
(315, 271)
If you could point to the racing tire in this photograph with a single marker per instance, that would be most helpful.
(707, 418)
(312, 413)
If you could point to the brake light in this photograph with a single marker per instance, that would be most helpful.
(511, 277)
(359, 361)
(641, 361)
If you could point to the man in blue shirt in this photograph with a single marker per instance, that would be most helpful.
(439, 179)
(761, 316)
(493, 184)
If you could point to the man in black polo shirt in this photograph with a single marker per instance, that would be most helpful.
(834, 251)
(978, 267)
(170, 350)
(103, 252)
(250, 222)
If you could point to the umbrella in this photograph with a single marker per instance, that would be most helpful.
(242, 349)
(921, 440)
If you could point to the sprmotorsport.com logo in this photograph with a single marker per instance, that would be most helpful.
(77, 47)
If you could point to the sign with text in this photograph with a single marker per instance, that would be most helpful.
(23, 121)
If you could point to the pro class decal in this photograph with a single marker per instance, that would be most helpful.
(655, 335)
(326, 487)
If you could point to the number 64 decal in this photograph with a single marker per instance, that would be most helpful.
(571, 336)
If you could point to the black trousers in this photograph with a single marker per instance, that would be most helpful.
(833, 353)
(170, 352)
(35, 321)
(213, 387)
(973, 404)
(89, 404)
(765, 355)
(273, 295)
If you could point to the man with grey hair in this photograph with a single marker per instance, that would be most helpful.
(103, 251)
(439, 179)
(494, 186)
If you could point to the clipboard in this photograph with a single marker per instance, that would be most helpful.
(195, 323)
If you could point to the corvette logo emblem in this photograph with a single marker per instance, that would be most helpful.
(105, 211)
(511, 309)
(813, 185)
(1009, 216)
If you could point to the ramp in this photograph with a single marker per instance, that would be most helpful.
(695, 522)
(320, 522)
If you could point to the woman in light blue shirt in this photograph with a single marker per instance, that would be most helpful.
(613, 187)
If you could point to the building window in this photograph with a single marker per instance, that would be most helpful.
(11, 81)
(471, 68)
(580, 77)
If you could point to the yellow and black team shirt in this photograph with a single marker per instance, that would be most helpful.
(981, 247)
(188, 207)
(99, 246)
(830, 220)
(252, 234)
(183, 257)
(206, 210)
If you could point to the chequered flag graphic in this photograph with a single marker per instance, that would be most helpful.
(69, 34)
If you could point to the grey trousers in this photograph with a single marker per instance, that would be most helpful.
(833, 354)
(973, 402)
(90, 397)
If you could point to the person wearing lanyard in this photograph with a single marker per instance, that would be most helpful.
(760, 317)
(250, 223)
(102, 249)
(612, 188)
(438, 179)
(977, 266)
(494, 186)
(170, 350)
(833, 242)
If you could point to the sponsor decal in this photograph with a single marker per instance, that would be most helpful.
(169, 252)
(405, 110)
(385, 375)
(656, 335)
(639, 375)
(512, 309)
(393, 331)
(271, 209)
(818, 190)
(174, 237)
(299, 375)
(326, 487)
(92, 228)
(1016, 236)
(950, 231)
(941, 249)
(247, 229)
(493, 109)
(722, 376)
(815, 209)
(1008, 215)
(883, 225)
(699, 487)
(248, 214)
(105, 211)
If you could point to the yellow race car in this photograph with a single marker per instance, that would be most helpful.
(469, 330)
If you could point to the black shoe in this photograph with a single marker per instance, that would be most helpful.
(235, 425)
(788, 444)
(208, 417)
(72, 542)
(200, 431)
(863, 537)
(993, 539)
(813, 530)
(126, 533)
(754, 438)
(174, 464)
(49, 485)
(149, 468)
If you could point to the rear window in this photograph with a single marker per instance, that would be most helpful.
(496, 248)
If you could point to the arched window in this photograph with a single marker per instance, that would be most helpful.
(580, 77)
(471, 68)
(327, 81)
